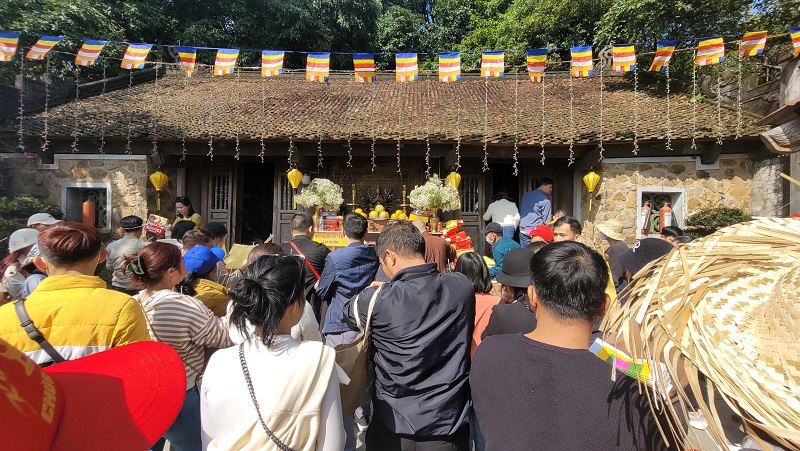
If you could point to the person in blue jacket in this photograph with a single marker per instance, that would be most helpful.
(500, 245)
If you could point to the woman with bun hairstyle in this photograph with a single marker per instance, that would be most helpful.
(271, 392)
(72, 308)
(180, 321)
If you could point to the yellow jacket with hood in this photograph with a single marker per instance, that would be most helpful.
(213, 295)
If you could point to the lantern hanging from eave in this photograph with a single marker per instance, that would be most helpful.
(591, 180)
(159, 180)
(454, 179)
(295, 177)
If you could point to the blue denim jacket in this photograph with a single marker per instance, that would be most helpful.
(347, 271)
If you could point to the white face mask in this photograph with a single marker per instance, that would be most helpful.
(489, 240)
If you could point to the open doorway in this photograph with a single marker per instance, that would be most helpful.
(504, 180)
(257, 201)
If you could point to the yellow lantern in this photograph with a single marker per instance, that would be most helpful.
(295, 177)
(158, 179)
(591, 180)
(454, 179)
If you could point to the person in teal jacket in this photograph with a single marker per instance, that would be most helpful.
(500, 245)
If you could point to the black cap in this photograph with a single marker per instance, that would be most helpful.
(516, 270)
(131, 223)
(643, 252)
(216, 229)
(493, 227)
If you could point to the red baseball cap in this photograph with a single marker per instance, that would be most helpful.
(124, 398)
(543, 231)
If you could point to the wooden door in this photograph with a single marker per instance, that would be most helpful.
(282, 218)
(472, 195)
(221, 200)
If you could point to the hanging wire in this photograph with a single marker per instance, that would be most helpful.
(238, 100)
(75, 115)
(210, 102)
(21, 144)
(668, 144)
(263, 116)
(45, 141)
(374, 88)
(719, 107)
(516, 123)
(600, 146)
(128, 113)
(739, 97)
(291, 151)
(636, 110)
(320, 164)
(427, 127)
(103, 118)
(544, 124)
(458, 133)
(349, 118)
(694, 101)
(399, 131)
(485, 124)
(155, 116)
(571, 123)
(185, 105)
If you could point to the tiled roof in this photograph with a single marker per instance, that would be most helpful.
(197, 108)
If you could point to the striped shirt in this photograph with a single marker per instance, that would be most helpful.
(187, 325)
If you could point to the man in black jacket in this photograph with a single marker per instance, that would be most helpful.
(314, 253)
(421, 332)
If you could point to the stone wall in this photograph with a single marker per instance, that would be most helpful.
(128, 180)
(616, 195)
(767, 188)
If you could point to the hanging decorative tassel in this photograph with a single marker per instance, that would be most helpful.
(320, 165)
(428, 127)
(238, 98)
(602, 89)
(185, 106)
(694, 103)
(372, 144)
(458, 134)
(45, 141)
(349, 117)
(636, 111)
(739, 97)
(668, 145)
(128, 113)
(103, 118)
(75, 115)
(485, 124)
(155, 116)
(571, 159)
(21, 144)
(263, 116)
(719, 107)
(516, 122)
(210, 103)
(291, 150)
(544, 123)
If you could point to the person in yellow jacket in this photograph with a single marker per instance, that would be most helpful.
(201, 266)
(73, 309)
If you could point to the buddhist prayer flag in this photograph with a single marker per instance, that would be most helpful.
(406, 68)
(364, 66)
(226, 61)
(664, 51)
(624, 58)
(188, 56)
(753, 43)
(8, 45)
(582, 65)
(318, 67)
(710, 51)
(493, 64)
(135, 56)
(537, 60)
(449, 67)
(89, 52)
(42, 46)
(271, 63)
(795, 33)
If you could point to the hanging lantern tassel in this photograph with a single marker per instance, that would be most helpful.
(159, 180)
(591, 180)
(295, 177)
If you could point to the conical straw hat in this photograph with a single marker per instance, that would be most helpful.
(612, 229)
(730, 305)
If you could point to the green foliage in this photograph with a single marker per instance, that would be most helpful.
(400, 30)
(708, 220)
(15, 211)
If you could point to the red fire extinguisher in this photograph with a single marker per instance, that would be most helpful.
(89, 210)
(666, 216)
(644, 218)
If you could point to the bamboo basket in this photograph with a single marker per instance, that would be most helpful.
(726, 306)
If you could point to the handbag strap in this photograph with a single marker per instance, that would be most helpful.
(34, 334)
(282, 446)
(308, 263)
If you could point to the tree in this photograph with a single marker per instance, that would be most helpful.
(400, 30)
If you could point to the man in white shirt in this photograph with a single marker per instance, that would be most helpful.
(503, 212)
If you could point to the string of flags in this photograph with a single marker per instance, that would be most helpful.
(709, 51)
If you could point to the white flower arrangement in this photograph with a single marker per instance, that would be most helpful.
(435, 194)
(321, 193)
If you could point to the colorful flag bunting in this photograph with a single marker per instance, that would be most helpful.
(364, 66)
(406, 68)
(537, 60)
(624, 58)
(753, 43)
(188, 57)
(8, 45)
(493, 64)
(582, 64)
(449, 67)
(271, 63)
(135, 56)
(710, 51)
(89, 52)
(664, 51)
(795, 34)
(318, 67)
(42, 46)
(226, 61)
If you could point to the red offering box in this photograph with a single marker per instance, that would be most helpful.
(464, 244)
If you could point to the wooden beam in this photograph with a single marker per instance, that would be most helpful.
(783, 139)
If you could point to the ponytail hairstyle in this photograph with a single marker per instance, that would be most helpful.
(272, 284)
(148, 266)
(186, 203)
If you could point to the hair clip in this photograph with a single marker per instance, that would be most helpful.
(135, 266)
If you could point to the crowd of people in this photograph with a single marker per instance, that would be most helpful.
(455, 367)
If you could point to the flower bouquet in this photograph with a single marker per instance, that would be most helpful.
(321, 193)
(435, 195)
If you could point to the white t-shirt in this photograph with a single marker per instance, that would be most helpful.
(297, 392)
(503, 212)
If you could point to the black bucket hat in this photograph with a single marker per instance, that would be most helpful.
(516, 270)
